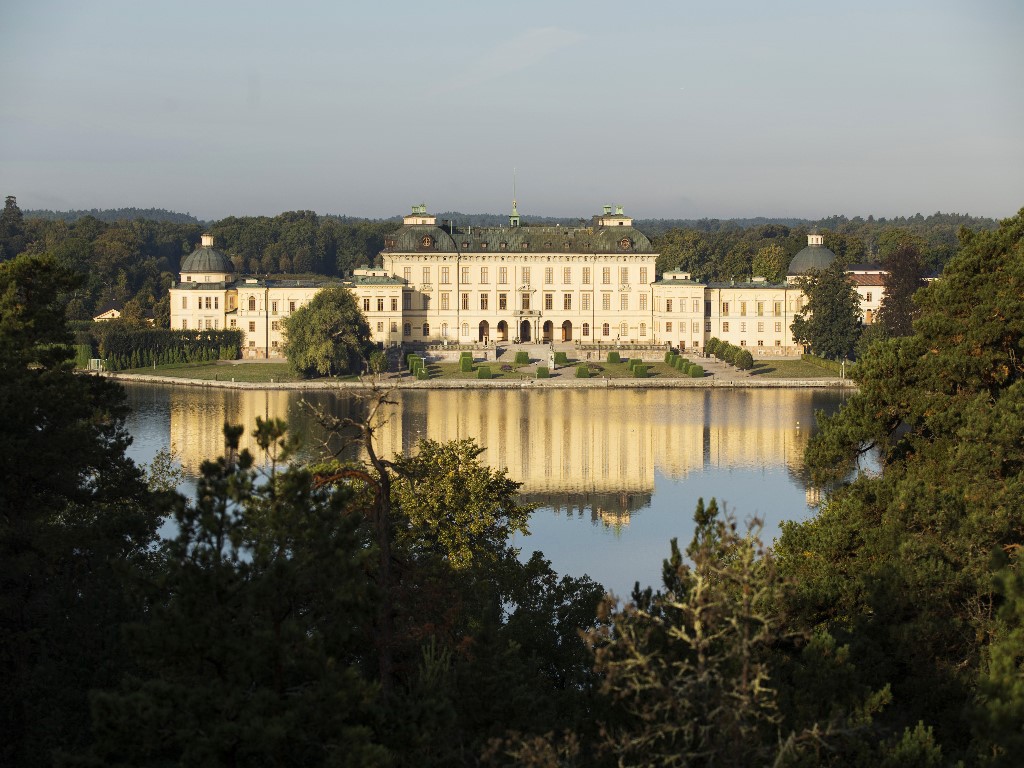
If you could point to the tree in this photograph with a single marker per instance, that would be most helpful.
(74, 513)
(903, 278)
(770, 262)
(328, 336)
(829, 322)
(12, 229)
(898, 565)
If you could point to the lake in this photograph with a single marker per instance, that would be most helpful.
(615, 474)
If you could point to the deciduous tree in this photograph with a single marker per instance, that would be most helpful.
(829, 322)
(329, 336)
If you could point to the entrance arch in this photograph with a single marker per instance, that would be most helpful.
(524, 331)
(485, 331)
(547, 332)
(502, 331)
(567, 331)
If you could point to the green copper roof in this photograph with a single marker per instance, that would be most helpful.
(518, 240)
(816, 257)
(207, 259)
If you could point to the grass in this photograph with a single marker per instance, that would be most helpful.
(790, 369)
(223, 371)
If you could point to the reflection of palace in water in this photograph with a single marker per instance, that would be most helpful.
(571, 449)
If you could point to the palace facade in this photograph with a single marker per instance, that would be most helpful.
(591, 284)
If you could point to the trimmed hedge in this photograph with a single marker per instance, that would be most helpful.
(543, 372)
(421, 373)
(465, 363)
(522, 357)
(483, 372)
(123, 348)
(640, 371)
(582, 372)
(696, 372)
(613, 357)
(561, 358)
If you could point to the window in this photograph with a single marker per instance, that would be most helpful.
(366, 304)
(760, 327)
(868, 297)
(743, 327)
(707, 326)
(184, 302)
(252, 327)
(526, 301)
(707, 310)
(643, 301)
(446, 277)
(668, 305)
(184, 324)
(407, 301)
(586, 275)
(549, 275)
(275, 325)
(525, 247)
(743, 342)
(778, 308)
(696, 306)
(623, 330)
(273, 307)
(696, 327)
(760, 343)
(643, 275)
(606, 330)
(778, 342)
(465, 274)
(380, 327)
(465, 329)
(465, 301)
(623, 275)
(606, 275)
(394, 327)
(526, 275)
(407, 329)
(725, 327)
(426, 302)
(234, 323)
(585, 300)
(426, 329)
(778, 327)
(426, 275)
(252, 303)
(567, 301)
(207, 302)
(760, 309)
(503, 301)
(274, 344)
(567, 276)
(484, 301)
(444, 330)
(549, 300)
(725, 309)
(743, 309)
(623, 301)
(380, 305)
(668, 327)
(643, 329)
(252, 343)
(483, 275)
(606, 302)
(503, 275)
(394, 305)
(586, 329)
(407, 274)
(291, 306)
(445, 298)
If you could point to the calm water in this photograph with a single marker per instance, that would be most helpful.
(615, 473)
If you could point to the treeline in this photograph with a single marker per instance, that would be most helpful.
(375, 613)
(122, 347)
(112, 215)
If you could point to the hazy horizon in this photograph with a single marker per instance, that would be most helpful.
(673, 110)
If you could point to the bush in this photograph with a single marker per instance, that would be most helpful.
(561, 358)
(696, 372)
(613, 357)
(640, 371)
(712, 346)
(483, 372)
(465, 363)
(543, 372)
(669, 354)
(582, 372)
(522, 357)
(421, 372)
(744, 360)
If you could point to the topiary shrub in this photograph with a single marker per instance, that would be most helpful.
(668, 356)
(696, 372)
(421, 373)
(522, 357)
(561, 358)
(465, 364)
(582, 372)
(640, 371)
(613, 357)
(483, 372)
(543, 372)
(744, 360)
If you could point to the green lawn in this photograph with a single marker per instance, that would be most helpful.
(790, 369)
(220, 371)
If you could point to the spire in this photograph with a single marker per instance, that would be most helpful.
(513, 220)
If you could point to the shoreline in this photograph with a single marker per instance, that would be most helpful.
(708, 382)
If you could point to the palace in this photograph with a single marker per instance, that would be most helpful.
(590, 284)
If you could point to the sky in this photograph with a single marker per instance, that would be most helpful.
(672, 109)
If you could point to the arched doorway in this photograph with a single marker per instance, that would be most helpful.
(485, 331)
(547, 332)
(502, 331)
(524, 331)
(566, 331)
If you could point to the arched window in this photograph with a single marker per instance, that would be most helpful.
(426, 329)
(586, 329)
(623, 329)
(252, 303)
(643, 329)
(606, 330)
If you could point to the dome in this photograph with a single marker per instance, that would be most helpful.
(814, 257)
(206, 258)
